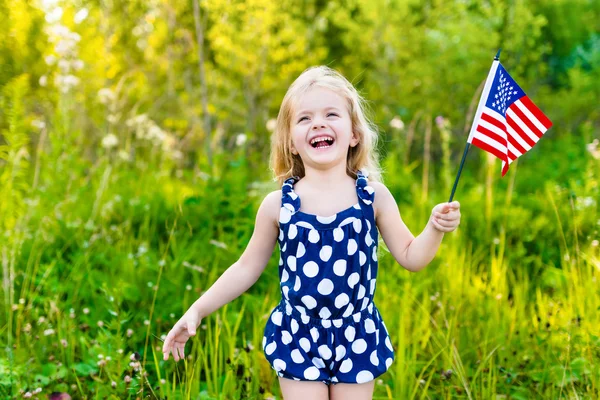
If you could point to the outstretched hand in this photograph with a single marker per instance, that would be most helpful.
(179, 335)
(445, 217)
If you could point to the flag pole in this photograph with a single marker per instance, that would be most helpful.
(464, 156)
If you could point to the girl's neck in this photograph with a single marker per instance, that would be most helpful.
(325, 179)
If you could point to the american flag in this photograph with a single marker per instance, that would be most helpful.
(507, 123)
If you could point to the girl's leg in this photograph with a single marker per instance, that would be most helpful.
(352, 391)
(303, 390)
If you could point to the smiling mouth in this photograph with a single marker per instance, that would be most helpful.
(323, 143)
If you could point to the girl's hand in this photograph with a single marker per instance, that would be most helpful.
(445, 217)
(180, 333)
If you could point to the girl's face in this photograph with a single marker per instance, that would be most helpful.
(322, 114)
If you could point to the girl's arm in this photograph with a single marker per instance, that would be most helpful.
(412, 253)
(242, 274)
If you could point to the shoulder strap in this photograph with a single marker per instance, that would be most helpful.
(365, 193)
(290, 202)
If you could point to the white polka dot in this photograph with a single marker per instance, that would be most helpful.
(361, 292)
(350, 332)
(276, 317)
(364, 376)
(369, 272)
(339, 267)
(309, 301)
(286, 338)
(369, 189)
(369, 325)
(325, 313)
(368, 239)
(359, 346)
(291, 260)
(365, 303)
(338, 234)
(305, 319)
(285, 290)
(301, 250)
(356, 317)
(280, 261)
(284, 248)
(341, 300)
(373, 285)
(349, 310)
(374, 253)
(314, 333)
(374, 359)
(325, 352)
(357, 225)
(326, 220)
(292, 231)
(284, 275)
(311, 373)
(280, 234)
(340, 352)
(338, 322)
(317, 362)
(313, 236)
(294, 325)
(352, 246)
(284, 215)
(326, 323)
(288, 308)
(353, 279)
(264, 342)
(388, 362)
(325, 253)
(368, 225)
(305, 344)
(388, 343)
(297, 356)
(346, 366)
(278, 364)
(311, 269)
(325, 287)
(270, 348)
(362, 258)
(297, 284)
(377, 337)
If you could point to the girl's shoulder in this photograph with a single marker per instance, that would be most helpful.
(270, 206)
(381, 196)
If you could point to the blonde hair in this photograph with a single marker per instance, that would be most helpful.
(364, 156)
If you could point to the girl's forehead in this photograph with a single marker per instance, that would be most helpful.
(317, 98)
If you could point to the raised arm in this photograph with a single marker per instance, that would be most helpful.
(412, 253)
(242, 274)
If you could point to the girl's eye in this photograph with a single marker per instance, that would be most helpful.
(332, 114)
(301, 119)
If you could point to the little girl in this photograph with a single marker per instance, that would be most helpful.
(326, 219)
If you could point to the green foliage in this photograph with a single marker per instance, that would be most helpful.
(114, 222)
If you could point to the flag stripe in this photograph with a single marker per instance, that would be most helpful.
(490, 149)
(526, 121)
(531, 117)
(513, 143)
(537, 112)
(516, 130)
(493, 136)
(488, 117)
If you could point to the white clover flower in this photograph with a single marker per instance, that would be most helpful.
(78, 65)
(106, 95)
(48, 332)
(80, 15)
(271, 124)
(64, 65)
(54, 15)
(39, 124)
(50, 59)
(110, 141)
(43, 81)
(240, 139)
(397, 123)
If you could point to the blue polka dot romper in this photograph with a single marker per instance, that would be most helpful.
(326, 327)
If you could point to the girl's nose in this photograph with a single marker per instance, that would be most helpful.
(317, 126)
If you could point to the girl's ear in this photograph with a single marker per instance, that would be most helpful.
(355, 139)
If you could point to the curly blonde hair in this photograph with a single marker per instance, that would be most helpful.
(364, 156)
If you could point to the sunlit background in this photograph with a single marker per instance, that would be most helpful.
(134, 139)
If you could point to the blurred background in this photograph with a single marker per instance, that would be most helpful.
(134, 144)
